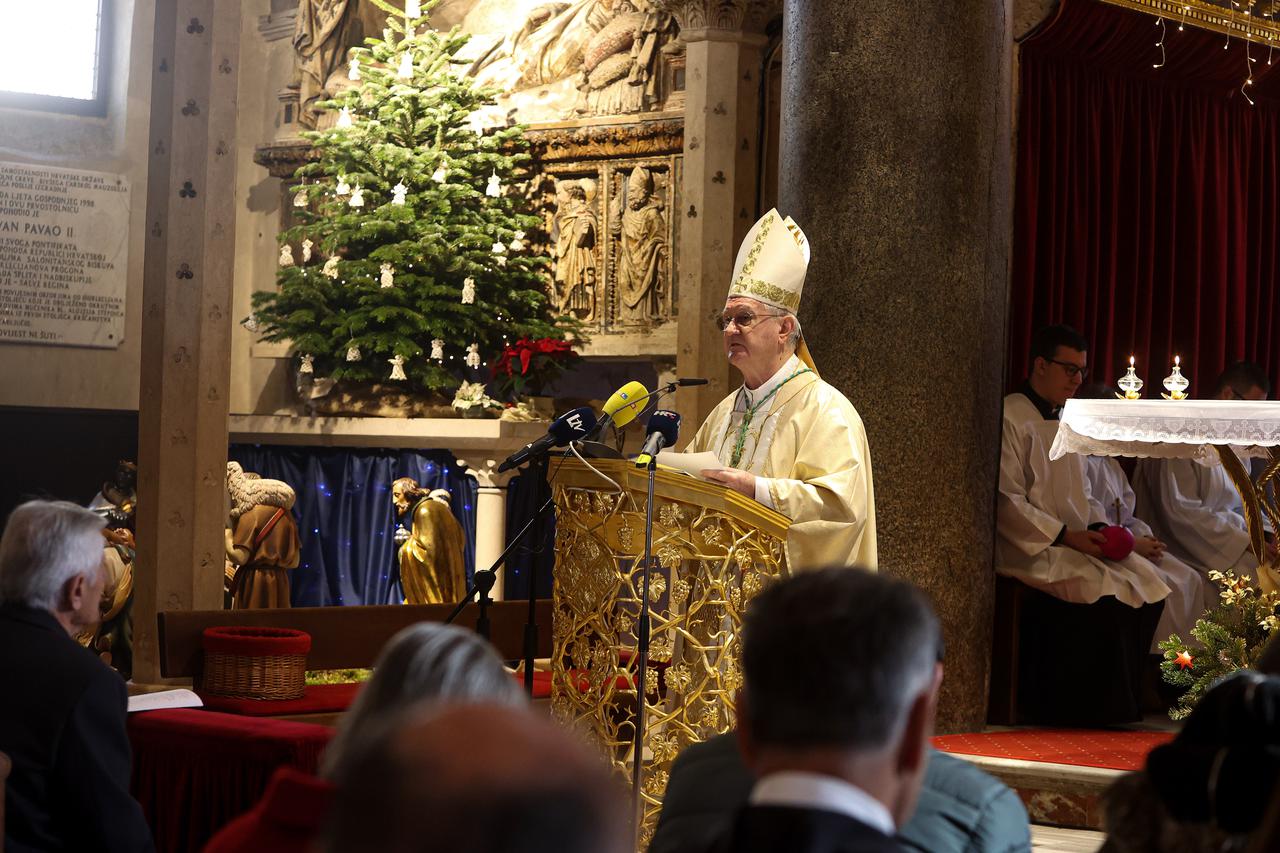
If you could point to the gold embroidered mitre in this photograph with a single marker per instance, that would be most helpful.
(771, 263)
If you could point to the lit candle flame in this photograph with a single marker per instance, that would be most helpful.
(1177, 360)
(1131, 361)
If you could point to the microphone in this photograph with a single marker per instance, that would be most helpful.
(685, 383)
(664, 427)
(570, 426)
(622, 408)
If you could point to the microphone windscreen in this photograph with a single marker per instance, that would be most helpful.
(667, 423)
(626, 403)
(572, 425)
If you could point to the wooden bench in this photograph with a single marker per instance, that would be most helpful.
(342, 637)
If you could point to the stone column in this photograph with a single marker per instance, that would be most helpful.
(491, 514)
(186, 328)
(896, 162)
(722, 98)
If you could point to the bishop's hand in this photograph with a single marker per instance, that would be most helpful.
(733, 478)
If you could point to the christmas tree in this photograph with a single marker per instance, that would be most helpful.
(414, 262)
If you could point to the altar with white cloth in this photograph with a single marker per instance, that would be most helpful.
(1225, 432)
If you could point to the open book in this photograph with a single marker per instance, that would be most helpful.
(692, 464)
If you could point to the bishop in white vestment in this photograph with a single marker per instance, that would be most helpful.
(789, 440)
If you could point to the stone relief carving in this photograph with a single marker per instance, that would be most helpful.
(324, 30)
(578, 58)
(638, 227)
(573, 235)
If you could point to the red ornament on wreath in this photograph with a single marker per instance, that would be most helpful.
(1183, 660)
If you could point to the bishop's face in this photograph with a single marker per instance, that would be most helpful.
(755, 338)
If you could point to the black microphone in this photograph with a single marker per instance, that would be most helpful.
(663, 429)
(570, 426)
(685, 383)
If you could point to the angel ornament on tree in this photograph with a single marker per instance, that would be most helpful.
(437, 349)
(353, 353)
(494, 187)
(398, 193)
(357, 197)
(473, 356)
(306, 250)
(331, 267)
(469, 291)
(388, 276)
(286, 255)
(306, 365)
(397, 368)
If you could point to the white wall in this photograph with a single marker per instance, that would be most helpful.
(79, 377)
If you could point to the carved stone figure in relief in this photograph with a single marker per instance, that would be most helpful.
(639, 224)
(574, 234)
(325, 30)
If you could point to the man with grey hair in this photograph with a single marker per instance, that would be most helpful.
(841, 678)
(62, 721)
(786, 438)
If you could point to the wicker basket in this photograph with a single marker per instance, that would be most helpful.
(255, 663)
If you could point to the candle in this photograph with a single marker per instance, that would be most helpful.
(1175, 382)
(1130, 384)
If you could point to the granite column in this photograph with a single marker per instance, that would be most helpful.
(896, 162)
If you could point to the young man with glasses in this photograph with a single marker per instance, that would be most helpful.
(1195, 508)
(1087, 622)
(786, 438)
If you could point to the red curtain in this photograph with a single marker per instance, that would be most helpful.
(1146, 203)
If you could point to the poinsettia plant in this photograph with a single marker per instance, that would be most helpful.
(529, 366)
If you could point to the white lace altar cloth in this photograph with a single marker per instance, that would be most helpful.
(1167, 428)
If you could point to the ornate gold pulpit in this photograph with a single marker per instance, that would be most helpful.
(713, 549)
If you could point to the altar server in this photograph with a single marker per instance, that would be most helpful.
(1193, 506)
(786, 438)
(1077, 665)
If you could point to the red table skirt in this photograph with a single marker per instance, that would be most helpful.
(195, 770)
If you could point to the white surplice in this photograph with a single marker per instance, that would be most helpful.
(1189, 591)
(1195, 509)
(1036, 499)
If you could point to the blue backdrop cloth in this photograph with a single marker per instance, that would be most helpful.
(346, 520)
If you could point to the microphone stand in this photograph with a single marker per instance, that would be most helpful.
(642, 648)
(483, 581)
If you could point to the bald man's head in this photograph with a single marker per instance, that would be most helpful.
(477, 779)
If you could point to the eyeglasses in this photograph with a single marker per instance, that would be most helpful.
(1072, 370)
(742, 319)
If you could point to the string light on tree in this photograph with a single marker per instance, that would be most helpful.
(1182, 23)
(397, 368)
(1160, 44)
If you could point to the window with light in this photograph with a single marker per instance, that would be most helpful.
(51, 55)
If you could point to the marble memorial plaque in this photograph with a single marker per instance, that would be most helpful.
(64, 244)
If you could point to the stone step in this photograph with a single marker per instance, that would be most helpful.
(1052, 839)
(1059, 795)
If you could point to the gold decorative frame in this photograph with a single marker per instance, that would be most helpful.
(1259, 498)
(1253, 20)
(714, 550)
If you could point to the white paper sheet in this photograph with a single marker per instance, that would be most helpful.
(178, 698)
(690, 463)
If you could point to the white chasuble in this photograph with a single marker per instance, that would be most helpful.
(809, 442)
(1190, 592)
(1036, 499)
(1196, 510)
